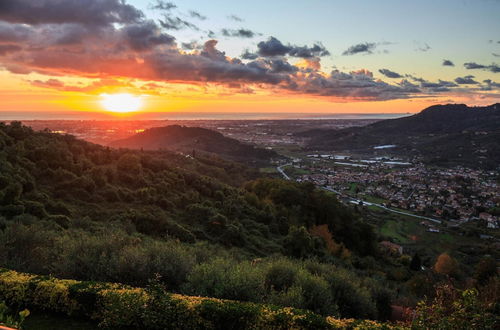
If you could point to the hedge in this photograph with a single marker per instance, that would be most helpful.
(119, 306)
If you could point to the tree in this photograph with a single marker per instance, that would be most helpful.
(416, 263)
(485, 269)
(129, 164)
(445, 264)
(298, 242)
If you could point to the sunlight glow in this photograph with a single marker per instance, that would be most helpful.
(121, 103)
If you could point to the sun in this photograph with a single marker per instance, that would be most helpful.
(121, 103)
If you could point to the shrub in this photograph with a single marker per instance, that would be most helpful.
(280, 275)
(118, 306)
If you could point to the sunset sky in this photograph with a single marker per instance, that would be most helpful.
(309, 56)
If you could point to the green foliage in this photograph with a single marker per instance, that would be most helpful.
(453, 309)
(9, 320)
(82, 211)
(118, 306)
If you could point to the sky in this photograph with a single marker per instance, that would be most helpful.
(308, 56)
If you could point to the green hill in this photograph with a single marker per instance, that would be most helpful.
(78, 210)
(191, 140)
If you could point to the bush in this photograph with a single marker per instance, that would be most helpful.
(119, 306)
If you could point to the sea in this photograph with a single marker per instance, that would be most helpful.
(83, 115)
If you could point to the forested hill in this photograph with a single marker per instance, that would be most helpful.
(63, 181)
(199, 140)
(452, 134)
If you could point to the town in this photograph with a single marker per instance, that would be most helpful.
(455, 194)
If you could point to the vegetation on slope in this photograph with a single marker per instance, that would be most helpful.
(77, 210)
(196, 140)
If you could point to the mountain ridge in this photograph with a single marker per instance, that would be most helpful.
(192, 140)
(431, 135)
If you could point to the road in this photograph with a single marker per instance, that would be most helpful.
(359, 201)
(280, 169)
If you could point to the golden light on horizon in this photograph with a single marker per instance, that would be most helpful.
(121, 103)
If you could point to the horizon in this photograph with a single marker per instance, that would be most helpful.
(142, 56)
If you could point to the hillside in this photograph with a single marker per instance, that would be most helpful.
(452, 134)
(197, 140)
(82, 211)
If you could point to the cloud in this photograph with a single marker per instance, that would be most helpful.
(317, 50)
(163, 5)
(495, 54)
(390, 74)
(434, 87)
(366, 48)
(422, 47)
(467, 80)
(274, 47)
(176, 23)
(195, 14)
(448, 63)
(489, 85)
(356, 85)
(145, 36)
(239, 33)
(5, 49)
(235, 18)
(473, 65)
(124, 45)
(247, 55)
(91, 13)
(191, 45)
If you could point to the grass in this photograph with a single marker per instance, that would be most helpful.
(293, 171)
(268, 170)
(373, 199)
(352, 188)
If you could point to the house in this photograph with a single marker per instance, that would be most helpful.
(392, 247)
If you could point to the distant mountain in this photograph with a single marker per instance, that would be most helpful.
(452, 134)
(197, 140)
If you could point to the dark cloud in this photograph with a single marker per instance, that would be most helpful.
(366, 48)
(193, 45)
(467, 80)
(489, 85)
(317, 50)
(274, 47)
(145, 36)
(492, 67)
(5, 49)
(448, 63)
(235, 18)
(247, 55)
(92, 13)
(280, 65)
(473, 65)
(210, 50)
(434, 87)
(176, 23)
(195, 14)
(163, 5)
(495, 54)
(357, 85)
(239, 33)
(14, 32)
(390, 74)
